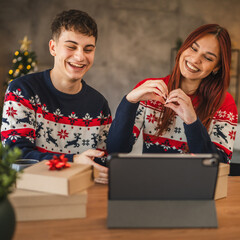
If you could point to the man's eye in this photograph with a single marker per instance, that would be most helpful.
(88, 50)
(70, 47)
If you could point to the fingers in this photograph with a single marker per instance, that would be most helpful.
(93, 153)
(181, 104)
(88, 156)
(177, 99)
(173, 106)
(157, 86)
(161, 85)
(176, 95)
(100, 168)
(102, 181)
(102, 178)
(149, 90)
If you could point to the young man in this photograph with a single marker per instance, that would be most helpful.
(55, 111)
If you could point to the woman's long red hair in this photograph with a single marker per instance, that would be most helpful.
(212, 89)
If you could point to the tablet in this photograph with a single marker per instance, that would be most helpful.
(162, 191)
(162, 176)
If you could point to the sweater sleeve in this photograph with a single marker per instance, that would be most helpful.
(106, 120)
(199, 140)
(221, 134)
(19, 127)
(121, 137)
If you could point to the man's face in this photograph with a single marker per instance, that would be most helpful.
(73, 54)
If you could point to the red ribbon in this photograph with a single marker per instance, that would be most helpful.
(58, 162)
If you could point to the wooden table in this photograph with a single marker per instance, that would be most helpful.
(94, 226)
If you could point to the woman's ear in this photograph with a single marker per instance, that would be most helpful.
(52, 47)
(215, 70)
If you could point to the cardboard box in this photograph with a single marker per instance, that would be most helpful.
(222, 181)
(31, 205)
(67, 181)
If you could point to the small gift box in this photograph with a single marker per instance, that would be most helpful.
(66, 181)
(222, 181)
(32, 205)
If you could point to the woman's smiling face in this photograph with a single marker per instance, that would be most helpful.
(201, 58)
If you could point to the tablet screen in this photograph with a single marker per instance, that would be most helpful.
(162, 176)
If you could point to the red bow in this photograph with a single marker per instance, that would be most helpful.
(58, 162)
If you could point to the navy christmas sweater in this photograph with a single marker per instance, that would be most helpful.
(43, 121)
(131, 118)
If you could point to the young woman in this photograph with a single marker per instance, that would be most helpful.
(189, 111)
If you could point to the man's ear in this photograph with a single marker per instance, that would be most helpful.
(52, 47)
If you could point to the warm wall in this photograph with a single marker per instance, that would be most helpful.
(135, 37)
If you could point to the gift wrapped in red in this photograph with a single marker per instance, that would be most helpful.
(58, 162)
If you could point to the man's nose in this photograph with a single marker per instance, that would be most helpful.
(79, 55)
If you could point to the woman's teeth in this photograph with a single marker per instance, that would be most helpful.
(192, 67)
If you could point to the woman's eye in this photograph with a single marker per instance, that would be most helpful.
(209, 59)
(194, 49)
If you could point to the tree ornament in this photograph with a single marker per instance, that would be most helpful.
(25, 44)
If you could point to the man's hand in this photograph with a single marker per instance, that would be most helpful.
(87, 157)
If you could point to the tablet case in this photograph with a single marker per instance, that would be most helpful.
(162, 190)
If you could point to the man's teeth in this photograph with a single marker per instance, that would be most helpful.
(76, 65)
(192, 67)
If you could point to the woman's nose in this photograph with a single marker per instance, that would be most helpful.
(196, 58)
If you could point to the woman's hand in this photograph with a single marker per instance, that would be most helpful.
(87, 157)
(181, 104)
(149, 90)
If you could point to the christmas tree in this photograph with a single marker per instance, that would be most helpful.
(24, 61)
